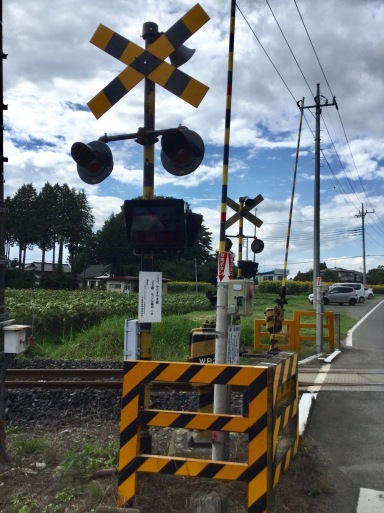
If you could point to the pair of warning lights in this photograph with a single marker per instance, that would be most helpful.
(182, 151)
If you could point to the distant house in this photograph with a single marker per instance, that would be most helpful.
(275, 275)
(99, 276)
(36, 268)
(346, 275)
(127, 283)
(92, 277)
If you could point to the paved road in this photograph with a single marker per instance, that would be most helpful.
(348, 427)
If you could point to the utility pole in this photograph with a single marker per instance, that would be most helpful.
(4, 358)
(317, 288)
(362, 214)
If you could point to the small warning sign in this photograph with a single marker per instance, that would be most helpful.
(233, 346)
(150, 296)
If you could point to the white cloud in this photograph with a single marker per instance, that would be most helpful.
(52, 70)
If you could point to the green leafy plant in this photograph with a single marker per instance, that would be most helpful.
(78, 466)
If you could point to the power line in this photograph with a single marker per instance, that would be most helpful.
(345, 196)
(290, 49)
(266, 53)
(339, 114)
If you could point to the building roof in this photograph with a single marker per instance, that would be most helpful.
(124, 278)
(48, 267)
(95, 271)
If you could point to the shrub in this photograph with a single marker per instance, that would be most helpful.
(187, 286)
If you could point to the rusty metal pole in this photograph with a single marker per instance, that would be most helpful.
(150, 34)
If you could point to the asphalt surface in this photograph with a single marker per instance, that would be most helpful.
(347, 427)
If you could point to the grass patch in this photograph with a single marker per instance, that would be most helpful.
(29, 445)
(170, 337)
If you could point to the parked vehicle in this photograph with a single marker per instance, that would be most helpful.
(368, 293)
(359, 287)
(341, 294)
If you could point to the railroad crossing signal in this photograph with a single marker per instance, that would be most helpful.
(245, 211)
(149, 63)
(94, 161)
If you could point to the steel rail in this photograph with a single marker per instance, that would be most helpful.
(113, 378)
(46, 374)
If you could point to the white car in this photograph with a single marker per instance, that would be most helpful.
(359, 287)
(341, 294)
(338, 294)
(368, 293)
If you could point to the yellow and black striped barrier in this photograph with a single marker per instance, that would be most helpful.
(284, 413)
(269, 412)
(295, 332)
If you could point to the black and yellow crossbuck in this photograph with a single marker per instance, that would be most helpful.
(149, 63)
(244, 212)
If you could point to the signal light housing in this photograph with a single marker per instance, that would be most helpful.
(182, 151)
(94, 161)
(248, 268)
(156, 226)
(161, 225)
(257, 245)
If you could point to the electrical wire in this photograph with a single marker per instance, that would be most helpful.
(346, 197)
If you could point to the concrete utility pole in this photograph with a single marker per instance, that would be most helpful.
(362, 214)
(317, 289)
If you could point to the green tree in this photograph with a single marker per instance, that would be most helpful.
(9, 239)
(73, 221)
(376, 276)
(308, 276)
(22, 220)
(112, 245)
(81, 222)
(45, 213)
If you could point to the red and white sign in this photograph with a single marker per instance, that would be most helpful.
(225, 269)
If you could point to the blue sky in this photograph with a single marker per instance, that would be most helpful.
(52, 71)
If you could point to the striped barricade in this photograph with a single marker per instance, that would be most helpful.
(269, 419)
(133, 416)
(284, 413)
(295, 332)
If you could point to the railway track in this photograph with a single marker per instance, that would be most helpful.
(310, 380)
(64, 378)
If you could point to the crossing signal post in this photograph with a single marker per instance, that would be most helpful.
(182, 149)
(246, 268)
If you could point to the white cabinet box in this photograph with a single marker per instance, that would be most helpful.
(14, 338)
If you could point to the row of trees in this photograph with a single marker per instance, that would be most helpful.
(374, 276)
(59, 217)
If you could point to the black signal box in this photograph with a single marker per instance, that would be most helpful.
(156, 226)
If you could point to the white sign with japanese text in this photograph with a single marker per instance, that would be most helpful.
(150, 295)
(233, 346)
